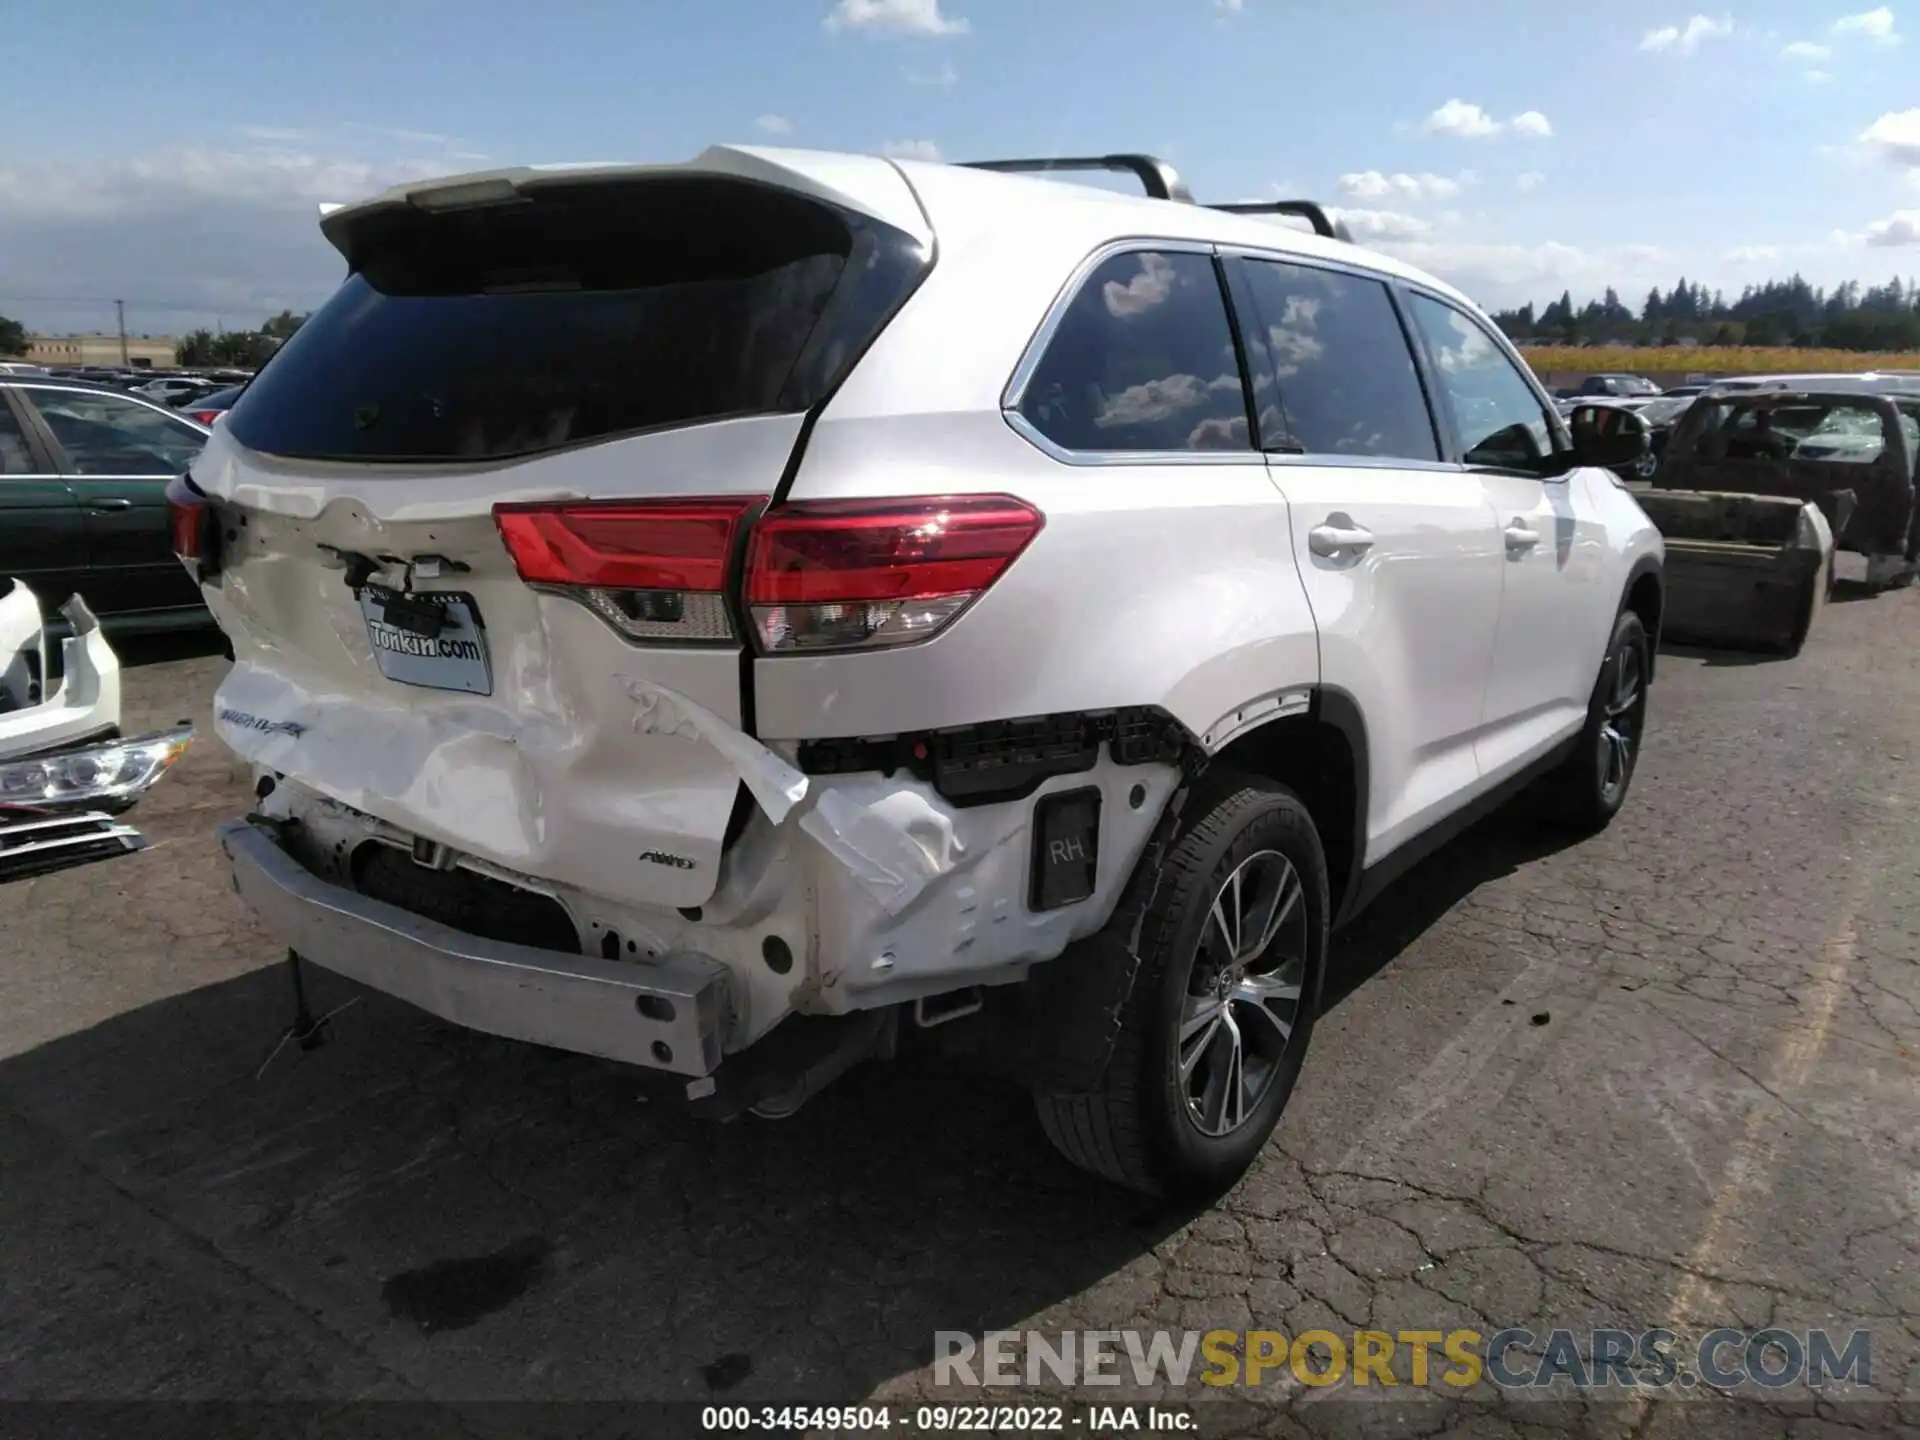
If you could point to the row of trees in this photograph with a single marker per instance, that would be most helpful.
(248, 349)
(1780, 312)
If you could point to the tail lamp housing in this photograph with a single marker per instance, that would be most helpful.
(655, 570)
(814, 576)
(861, 574)
(194, 525)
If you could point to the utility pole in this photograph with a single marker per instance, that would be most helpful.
(120, 313)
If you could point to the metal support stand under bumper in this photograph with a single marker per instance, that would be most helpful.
(668, 1014)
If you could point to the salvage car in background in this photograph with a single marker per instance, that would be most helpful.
(83, 478)
(209, 408)
(1814, 445)
(66, 773)
(1597, 387)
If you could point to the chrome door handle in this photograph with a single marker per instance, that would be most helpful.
(1331, 540)
(1521, 539)
(110, 502)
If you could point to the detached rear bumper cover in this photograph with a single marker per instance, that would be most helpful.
(669, 1014)
(87, 704)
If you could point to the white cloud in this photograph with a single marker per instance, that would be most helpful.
(1458, 117)
(1875, 25)
(1752, 254)
(1900, 228)
(1380, 226)
(189, 235)
(1529, 180)
(911, 150)
(1532, 122)
(1373, 185)
(944, 78)
(1819, 77)
(774, 125)
(1808, 50)
(1895, 136)
(1685, 39)
(917, 17)
(1232, 7)
(1498, 275)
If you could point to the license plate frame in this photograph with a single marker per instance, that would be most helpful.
(403, 656)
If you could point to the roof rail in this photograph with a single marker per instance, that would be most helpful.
(1308, 210)
(1159, 179)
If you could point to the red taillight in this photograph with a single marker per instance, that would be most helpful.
(836, 574)
(820, 575)
(656, 569)
(194, 527)
(205, 417)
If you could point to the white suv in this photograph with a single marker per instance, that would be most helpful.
(730, 617)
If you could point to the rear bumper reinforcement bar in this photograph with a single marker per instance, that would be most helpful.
(669, 1014)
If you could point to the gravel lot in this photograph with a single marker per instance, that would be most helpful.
(1666, 1076)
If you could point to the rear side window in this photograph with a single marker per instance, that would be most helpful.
(15, 457)
(591, 311)
(1143, 360)
(1343, 371)
(112, 435)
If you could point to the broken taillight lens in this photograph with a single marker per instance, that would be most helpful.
(843, 574)
(653, 569)
(194, 526)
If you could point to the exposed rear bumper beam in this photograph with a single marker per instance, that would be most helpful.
(670, 1014)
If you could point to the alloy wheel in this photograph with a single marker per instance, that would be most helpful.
(1621, 725)
(1243, 994)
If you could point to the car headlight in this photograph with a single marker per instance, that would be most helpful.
(118, 770)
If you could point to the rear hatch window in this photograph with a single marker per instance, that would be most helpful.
(591, 311)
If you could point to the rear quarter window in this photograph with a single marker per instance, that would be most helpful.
(1143, 360)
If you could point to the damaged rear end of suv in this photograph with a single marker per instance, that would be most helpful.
(729, 617)
(498, 543)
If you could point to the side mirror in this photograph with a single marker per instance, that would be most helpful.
(1607, 435)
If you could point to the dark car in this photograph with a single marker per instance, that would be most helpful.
(210, 407)
(83, 477)
(1812, 445)
(1660, 415)
(1625, 386)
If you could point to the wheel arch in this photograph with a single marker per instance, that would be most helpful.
(1321, 755)
(1645, 594)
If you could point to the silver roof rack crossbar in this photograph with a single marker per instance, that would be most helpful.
(1160, 180)
(1310, 211)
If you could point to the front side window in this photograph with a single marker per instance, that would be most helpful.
(1345, 377)
(111, 435)
(1500, 419)
(1143, 360)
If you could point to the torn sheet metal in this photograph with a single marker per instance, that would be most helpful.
(893, 847)
(87, 702)
(774, 784)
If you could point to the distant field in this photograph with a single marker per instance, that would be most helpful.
(1721, 360)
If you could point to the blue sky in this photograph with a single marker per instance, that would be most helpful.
(173, 156)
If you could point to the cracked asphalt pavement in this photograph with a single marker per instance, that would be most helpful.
(1665, 1077)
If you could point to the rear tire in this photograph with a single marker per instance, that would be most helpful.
(1590, 786)
(1214, 1029)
